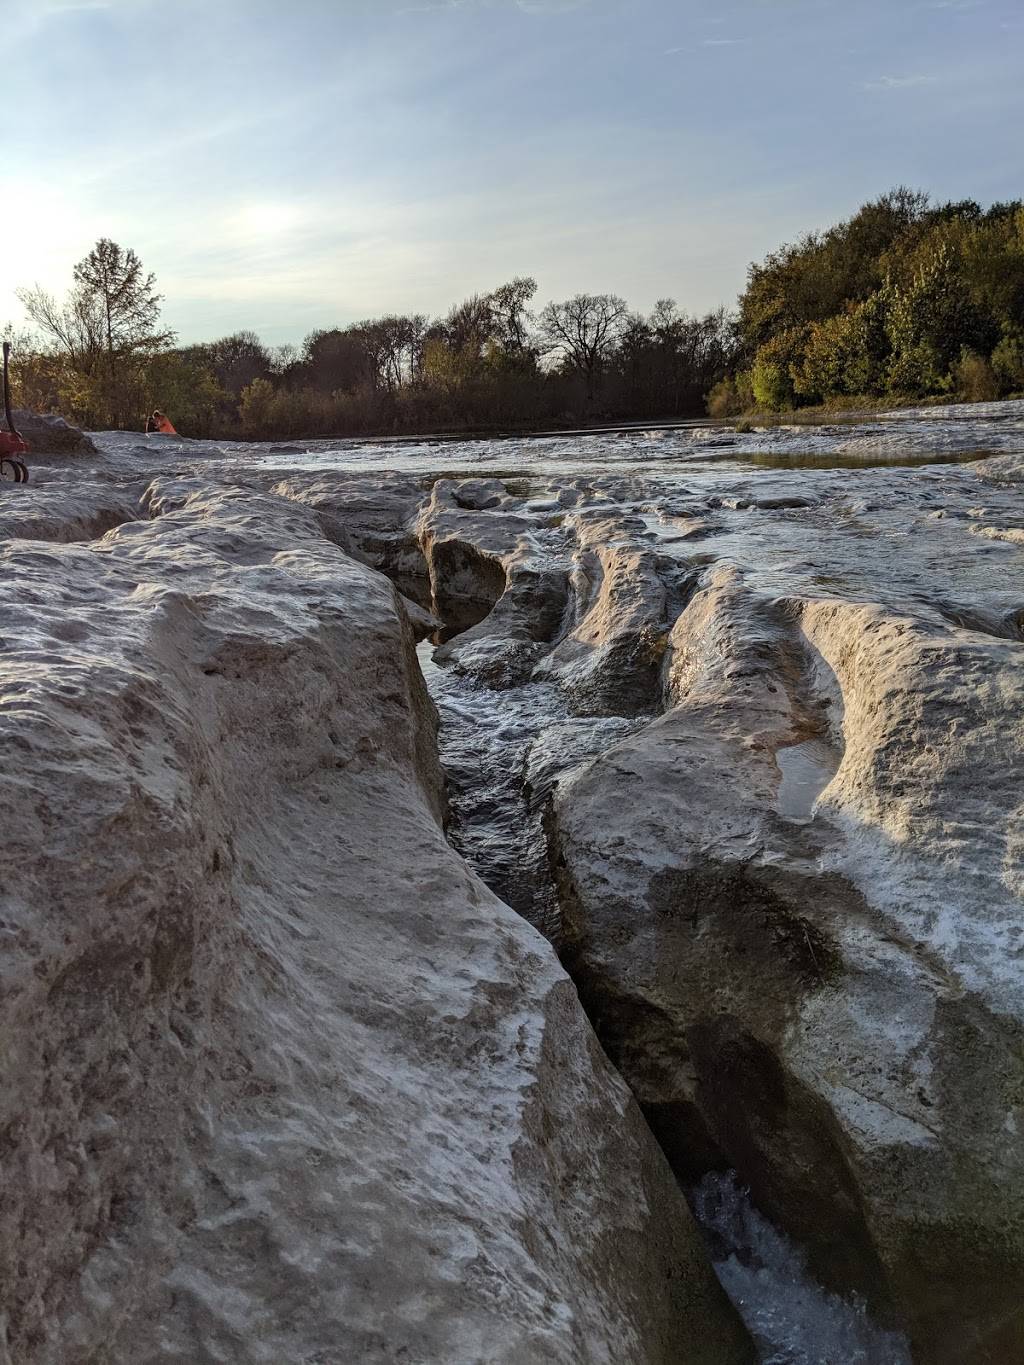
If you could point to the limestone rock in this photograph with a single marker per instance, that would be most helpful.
(58, 510)
(480, 494)
(282, 1080)
(48, 434)
(372, 519)
(626, 597)
(832, 1003)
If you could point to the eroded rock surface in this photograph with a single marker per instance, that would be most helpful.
(282, 1080)
(794, 901)
(768, 726)
(831, 1007)
(55, 511)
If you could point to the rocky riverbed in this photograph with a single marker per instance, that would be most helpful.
(731, 753)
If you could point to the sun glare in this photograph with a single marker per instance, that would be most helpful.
(266, 220)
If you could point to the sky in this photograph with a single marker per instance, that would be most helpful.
(307, 163)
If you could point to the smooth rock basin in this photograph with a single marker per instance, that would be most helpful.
(287, 1075)
(807, 768)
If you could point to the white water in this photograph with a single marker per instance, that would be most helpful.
(791, 1318)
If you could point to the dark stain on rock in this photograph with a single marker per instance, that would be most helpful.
(750, 919)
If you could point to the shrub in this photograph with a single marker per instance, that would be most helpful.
(915, 370)
(975, 378)
(1008, 361)
(724, 400)
(775, 364)
(773, 388)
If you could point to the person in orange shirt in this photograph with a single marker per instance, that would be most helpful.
(159, 422)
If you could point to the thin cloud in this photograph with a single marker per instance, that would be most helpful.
(723, 42)
(550, 6)
(53, 9)
(436, 6)
(526, 6)
(899, 82)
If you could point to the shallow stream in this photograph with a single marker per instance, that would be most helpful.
(936, 435)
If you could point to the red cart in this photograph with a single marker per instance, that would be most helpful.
(12, 446)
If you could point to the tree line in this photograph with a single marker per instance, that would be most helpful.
(905, 300)
(491, 362)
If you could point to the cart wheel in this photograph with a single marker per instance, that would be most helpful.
(14, 471)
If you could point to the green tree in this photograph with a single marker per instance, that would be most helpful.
(929, 323)
(107, 326)
(821, 274)
(183, 383)
(845, 354)
(775, 364)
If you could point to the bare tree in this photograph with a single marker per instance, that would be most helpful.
(510, 315)
(467, 328)
(585, 330)
(75, 326)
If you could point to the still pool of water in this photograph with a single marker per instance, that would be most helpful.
(807, 769)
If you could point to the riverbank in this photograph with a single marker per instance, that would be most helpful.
(856, 409)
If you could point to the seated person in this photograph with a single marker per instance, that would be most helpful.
(159, 422)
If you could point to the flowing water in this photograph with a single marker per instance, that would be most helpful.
(908, 438)
(792, 1319)
(503, 752)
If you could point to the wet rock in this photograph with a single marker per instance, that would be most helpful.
(48, 434)
(503, 649)
(1011, 535)
(833, 1006)
(425, 624)
(763, 501)
(467, 554)
(1004, 469)
(282, 1080)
